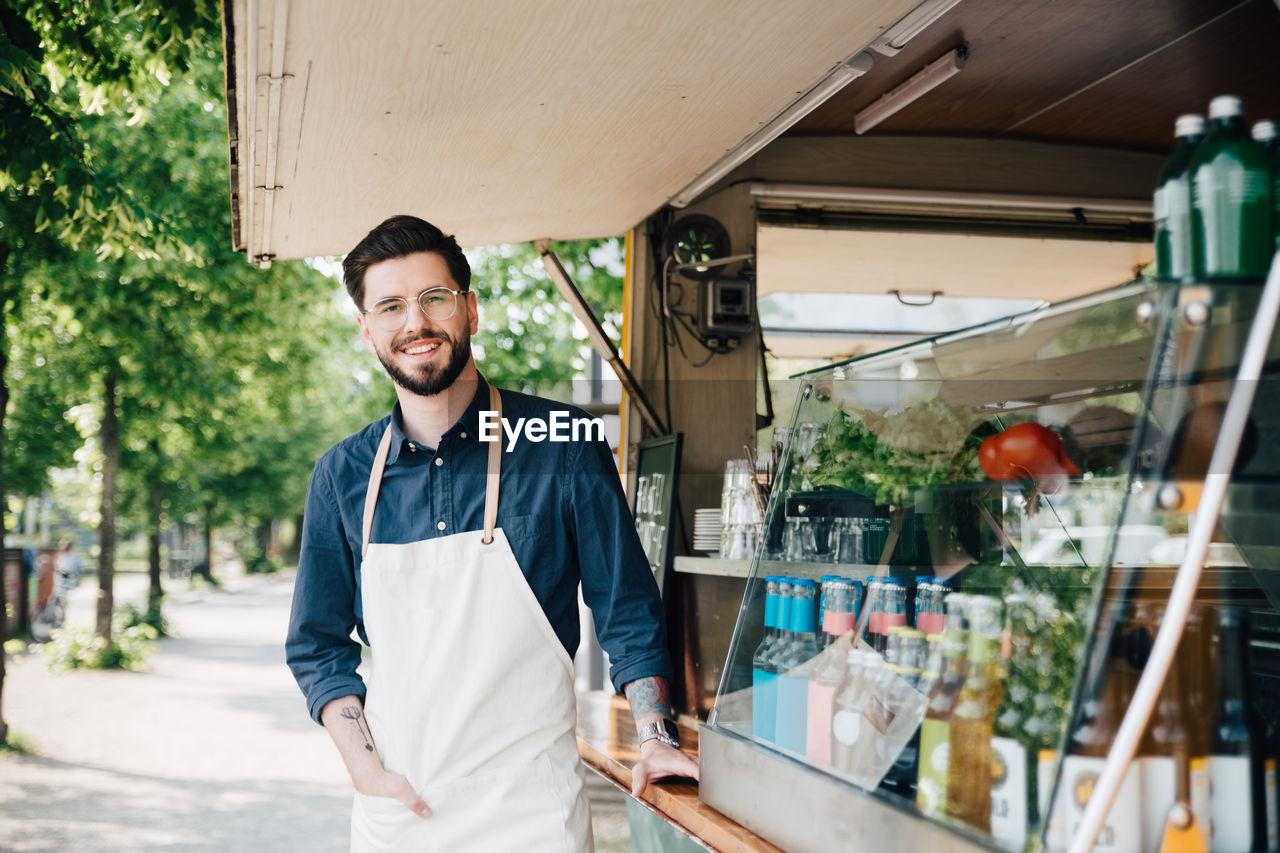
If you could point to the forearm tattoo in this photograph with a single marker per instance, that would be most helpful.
(649, 696)
(356, 716)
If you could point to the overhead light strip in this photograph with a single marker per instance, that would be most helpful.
(939, 198)
(894, 39)
(918, 85)
(847, 71)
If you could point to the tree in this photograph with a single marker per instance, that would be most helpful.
(60, 63)
(528, 336)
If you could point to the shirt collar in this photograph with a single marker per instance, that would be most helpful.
(469, 423)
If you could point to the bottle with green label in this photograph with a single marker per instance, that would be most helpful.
(931, 785)
(1231, 198)
(1267, 134)
(1172, 208)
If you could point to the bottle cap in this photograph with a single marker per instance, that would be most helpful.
(1225, 106)
(803, 583)
(1189, 125)
(1265, 131)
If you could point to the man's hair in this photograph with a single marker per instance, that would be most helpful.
(395, 238)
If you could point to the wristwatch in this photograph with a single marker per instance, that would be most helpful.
(664, 730)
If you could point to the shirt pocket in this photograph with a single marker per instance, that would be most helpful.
(522, 530)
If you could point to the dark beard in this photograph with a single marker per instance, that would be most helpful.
(431, 381)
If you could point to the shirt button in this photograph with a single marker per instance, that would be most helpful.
(439, 461)
(413, 448)
(440, 525)
(463, 435)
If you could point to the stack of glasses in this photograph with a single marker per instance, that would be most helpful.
(739, 512)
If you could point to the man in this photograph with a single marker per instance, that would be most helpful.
(457, 561)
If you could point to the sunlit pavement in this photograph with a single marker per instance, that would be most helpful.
(209, 749)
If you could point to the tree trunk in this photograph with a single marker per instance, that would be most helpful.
(208, 536)
(110, 435)
(6, 301)
(294, 553)
(262, 536)
(156, 508)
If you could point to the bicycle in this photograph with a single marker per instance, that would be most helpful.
(54, 613)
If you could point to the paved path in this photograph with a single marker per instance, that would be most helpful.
(209, 750)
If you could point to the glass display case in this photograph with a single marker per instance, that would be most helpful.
(952, 630)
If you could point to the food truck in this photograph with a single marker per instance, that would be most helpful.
(1034, 456)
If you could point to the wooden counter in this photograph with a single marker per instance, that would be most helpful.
(607, 744)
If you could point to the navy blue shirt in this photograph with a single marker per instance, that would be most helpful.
(561, 507)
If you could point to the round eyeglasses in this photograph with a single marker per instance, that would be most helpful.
(390, 314)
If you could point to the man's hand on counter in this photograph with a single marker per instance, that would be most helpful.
(658, 760)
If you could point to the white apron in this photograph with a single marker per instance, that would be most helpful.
(471, 695)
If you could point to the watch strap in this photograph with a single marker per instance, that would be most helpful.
(664, 730)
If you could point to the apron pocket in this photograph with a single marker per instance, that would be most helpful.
(515, 807)
(381, 824)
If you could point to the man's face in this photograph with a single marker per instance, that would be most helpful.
(424, 356)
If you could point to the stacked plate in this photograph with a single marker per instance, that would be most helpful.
(706, 530)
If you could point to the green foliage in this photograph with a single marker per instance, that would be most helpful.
(889, 456)
(63, 62)
(18, 744)
(78, 647)
(258, 563)
(132, 616)
(529, 339)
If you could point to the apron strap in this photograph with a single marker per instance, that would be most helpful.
(490, 490)
(375, 483)
(495, 468)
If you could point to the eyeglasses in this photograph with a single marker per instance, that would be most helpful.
(390, 314)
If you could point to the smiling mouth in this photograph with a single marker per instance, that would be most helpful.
(421, 348)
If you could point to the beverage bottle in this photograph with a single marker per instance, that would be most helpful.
(1172, 208)
(1164, 756)
(1270, 740)
(1100, 717)
(905, 659)
(931, 781)
(1195, 664)
(973, 718)
(855, 595)
(838, 611)
(1267, 134)
(1020, 729)
(837, 621)
(846, 714)
(828, 586)
(920, 597)
(895, 609)
(931, 669)
(764, 691)
(1232, 827)
(1230, 198)
(793, 689)
(871, 621)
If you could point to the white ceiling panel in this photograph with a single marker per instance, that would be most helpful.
(918, 264)
(505, 121)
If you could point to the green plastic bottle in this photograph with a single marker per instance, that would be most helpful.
(1173, 203)
(1231, 198)
(1267, 133)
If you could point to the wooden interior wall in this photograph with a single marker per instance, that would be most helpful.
(714, 407)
